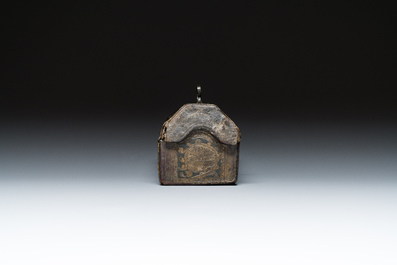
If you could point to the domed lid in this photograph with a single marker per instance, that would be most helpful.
(203, 116)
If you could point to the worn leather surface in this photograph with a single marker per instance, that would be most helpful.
(200, 116)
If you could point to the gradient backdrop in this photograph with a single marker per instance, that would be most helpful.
(86, 86)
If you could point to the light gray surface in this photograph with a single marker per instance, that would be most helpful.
(87, 193)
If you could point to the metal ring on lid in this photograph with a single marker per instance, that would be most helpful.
(199, 94)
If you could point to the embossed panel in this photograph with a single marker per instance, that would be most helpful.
(199, 159)
(199, 156)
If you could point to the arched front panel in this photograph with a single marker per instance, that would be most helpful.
(199, 159)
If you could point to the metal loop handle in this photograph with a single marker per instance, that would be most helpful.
(199, 94)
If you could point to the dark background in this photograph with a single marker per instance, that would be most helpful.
(273, 60)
